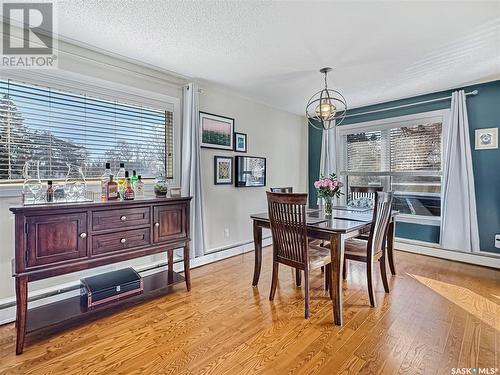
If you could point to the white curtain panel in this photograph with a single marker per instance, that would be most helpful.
(459, 229)
(328, 158)
(191, 183)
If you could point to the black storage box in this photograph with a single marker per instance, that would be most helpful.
(109, 287)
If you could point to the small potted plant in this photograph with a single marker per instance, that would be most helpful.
(328, 188)
(160, 187)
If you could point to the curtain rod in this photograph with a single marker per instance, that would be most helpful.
(475, 92)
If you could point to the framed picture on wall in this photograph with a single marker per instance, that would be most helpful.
(216, 131)
(240, 142)
(250, 171)
(486, 139)
(223, 170)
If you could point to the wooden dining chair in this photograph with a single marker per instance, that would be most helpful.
(287, 215)
(287, 190)
(373, 248)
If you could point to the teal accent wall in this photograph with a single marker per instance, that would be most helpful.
(314, 161)
(484, 112)
(426, 233)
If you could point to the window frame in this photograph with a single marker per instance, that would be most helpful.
(106, 90)
(388, 123)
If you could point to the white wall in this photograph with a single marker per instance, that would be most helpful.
(279, 136)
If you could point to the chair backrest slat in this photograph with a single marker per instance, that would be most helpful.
(381, 217)
(287, 215)
(356, 192)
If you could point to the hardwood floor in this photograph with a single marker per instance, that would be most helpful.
(439, 315)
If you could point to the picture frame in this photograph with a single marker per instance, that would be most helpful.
(486, 139)
(216, 131)
(240, 142)
(250, 171)
(223, 170)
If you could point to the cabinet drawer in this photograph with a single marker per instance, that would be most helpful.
(120, 218)
(106, 243)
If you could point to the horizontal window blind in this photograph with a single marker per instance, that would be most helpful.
(59, 128)
(412, 149)
(416, 148)
(365, 152)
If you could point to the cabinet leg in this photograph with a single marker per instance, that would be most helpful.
(21, 310)
(187, 270)
(170, 259)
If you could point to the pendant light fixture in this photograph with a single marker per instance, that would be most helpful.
(326, 108)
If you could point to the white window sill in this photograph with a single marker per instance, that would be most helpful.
(416, 219)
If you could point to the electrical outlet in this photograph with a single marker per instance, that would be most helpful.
(226, 232)
(497, 241)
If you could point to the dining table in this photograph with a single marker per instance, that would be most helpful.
(342, 224)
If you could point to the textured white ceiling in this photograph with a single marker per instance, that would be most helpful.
(271, 50)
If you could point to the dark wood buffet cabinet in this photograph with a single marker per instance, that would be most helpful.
(57, 239)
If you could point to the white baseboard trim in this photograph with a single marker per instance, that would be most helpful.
(8, 315)
(433, 250)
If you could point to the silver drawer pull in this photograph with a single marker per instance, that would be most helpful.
(123, 218)
(157, 225)
(123, 240)
(83, 235)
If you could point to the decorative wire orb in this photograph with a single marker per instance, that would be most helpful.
(326, 108)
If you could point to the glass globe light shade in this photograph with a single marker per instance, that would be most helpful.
(326, 109)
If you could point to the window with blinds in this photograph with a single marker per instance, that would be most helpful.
(60, 128)
(402, 157)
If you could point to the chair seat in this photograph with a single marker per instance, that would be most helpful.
(356, 249)
(318, 256)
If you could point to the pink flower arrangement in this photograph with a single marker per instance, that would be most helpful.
(328, 187)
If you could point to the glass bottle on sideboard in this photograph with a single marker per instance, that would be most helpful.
(120, 177)
(111, 189)
(128, 192)
(121, 184)
(104, 181)
(139, 187)
(134, 178)
(50, 192)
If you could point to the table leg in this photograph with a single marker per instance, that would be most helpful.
(337, 258)
(257, 239)
(187, 269)
(21, 310)
(390, 247)
(170, 261)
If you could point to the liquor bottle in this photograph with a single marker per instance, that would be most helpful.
(111, 189)
(121, 184)
(139, 188)
(50, 192)
(133, 179)
(128, 192)
(120, 176)
(104, 181)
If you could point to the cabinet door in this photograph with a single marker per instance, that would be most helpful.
(169, 222)
(55, 238)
